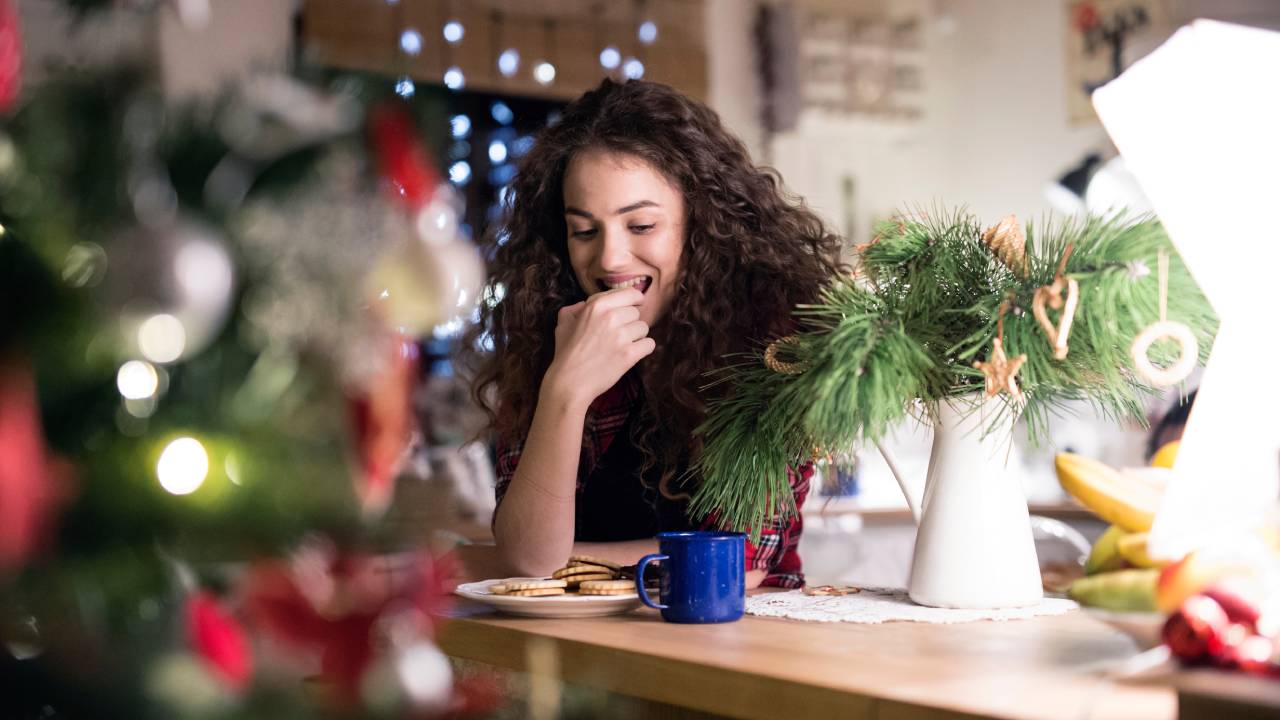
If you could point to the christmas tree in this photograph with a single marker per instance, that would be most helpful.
(206, 357)
(938, 308)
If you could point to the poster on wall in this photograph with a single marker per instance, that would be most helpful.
(857, 60)
(1104, 37)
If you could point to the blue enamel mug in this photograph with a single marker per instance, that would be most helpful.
(705, 578)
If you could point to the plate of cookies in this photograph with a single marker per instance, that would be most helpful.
(586, 587)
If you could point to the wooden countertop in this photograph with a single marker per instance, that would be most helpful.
(825, 507)
(1043, 668)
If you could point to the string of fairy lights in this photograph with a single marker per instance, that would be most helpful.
(507, 58)
(505, 144)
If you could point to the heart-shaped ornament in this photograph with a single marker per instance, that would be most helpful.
(1051, 296)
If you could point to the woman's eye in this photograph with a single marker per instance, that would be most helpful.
(641, 228)
(584, 233)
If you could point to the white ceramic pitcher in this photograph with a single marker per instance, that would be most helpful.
(974, 547)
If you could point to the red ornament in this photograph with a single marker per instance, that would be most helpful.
(10, 55)
(219, 639)
(383, 424)
(31, 482)
(1191, 629)
(403, 160)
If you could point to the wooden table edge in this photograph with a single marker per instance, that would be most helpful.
(707, 688)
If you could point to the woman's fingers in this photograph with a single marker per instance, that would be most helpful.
(625, 315)
(642, 348)
(612, 299)
(635, 330)
(570, 311)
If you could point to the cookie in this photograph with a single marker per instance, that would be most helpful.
(532, 584)
(499, 589)
(589, 560)
(583, 569)
(537, 592)
(831, 590)
(577, 580)
(607, 587)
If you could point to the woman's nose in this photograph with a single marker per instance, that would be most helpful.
(615, 250)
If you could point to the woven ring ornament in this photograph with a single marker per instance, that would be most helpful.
(783, 367)
(1175, 373)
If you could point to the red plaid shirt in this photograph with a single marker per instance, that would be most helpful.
(777, 550)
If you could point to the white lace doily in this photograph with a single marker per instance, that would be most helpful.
(877, 605)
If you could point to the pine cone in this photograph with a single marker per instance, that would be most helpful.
(1008, 243)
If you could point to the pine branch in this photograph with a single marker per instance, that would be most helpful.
(926, 307)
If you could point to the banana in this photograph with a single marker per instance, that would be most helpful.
(1133, 547)
(1165, 456)
(1109, 494)
(1105, 555)
(1122, 590)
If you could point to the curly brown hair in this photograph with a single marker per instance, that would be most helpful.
(750, 255)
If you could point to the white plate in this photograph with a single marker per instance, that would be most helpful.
(1144, 627)
(559, 606)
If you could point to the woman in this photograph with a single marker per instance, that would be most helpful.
(639, 248)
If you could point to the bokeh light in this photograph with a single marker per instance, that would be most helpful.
(648, 32)
(137, 380)
(509, 62)
(610, 58)
(85, 266)
(497, 152)
(454, 32)
(454, 79)
(460, 126)
(544, 73)
(521, 145)
(460, 172)
(411, 42)
(405, 87)
(161, 338)
(183, 466)
(502, 113)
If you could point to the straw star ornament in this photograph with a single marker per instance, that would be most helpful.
(1000, 371)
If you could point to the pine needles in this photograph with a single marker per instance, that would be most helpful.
(922, 308)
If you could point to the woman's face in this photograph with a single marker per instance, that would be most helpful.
(626, 227)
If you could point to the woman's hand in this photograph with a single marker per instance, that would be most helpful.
(597, 342)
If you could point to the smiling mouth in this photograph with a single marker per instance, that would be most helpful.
(639, 282)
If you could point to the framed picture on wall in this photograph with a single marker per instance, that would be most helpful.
(1103, 37)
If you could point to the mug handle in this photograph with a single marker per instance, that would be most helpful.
(640, 566)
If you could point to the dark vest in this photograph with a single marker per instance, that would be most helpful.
(617, 503)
